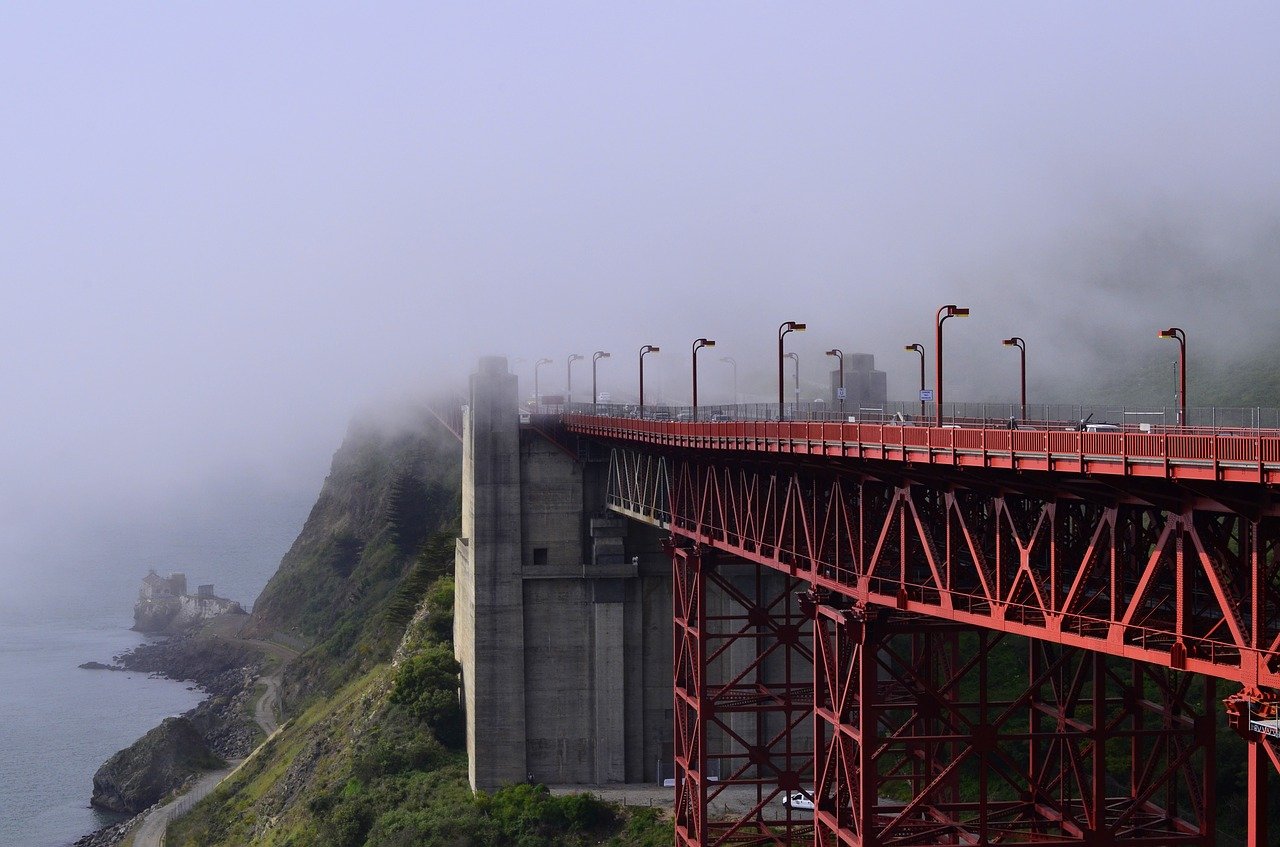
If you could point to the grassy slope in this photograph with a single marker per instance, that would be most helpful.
(391, 490)
(370, 757)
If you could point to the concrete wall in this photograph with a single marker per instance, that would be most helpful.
(562, 613)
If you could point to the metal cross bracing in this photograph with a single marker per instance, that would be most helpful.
(1171, 573)
(935, 733)
(743, 700)
(1185, 583)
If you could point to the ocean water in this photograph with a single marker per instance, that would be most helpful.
(58, 722)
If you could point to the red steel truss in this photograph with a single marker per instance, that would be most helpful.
(1180, 581)
(1160, 576)
(741, 716)
(919, 742)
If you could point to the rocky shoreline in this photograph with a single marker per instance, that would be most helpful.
(145, 772)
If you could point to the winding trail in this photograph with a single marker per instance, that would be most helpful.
(265, 714)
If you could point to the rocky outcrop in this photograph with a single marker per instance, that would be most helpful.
(98, 666)
(155, 764)
(179, 614)
(224, 670)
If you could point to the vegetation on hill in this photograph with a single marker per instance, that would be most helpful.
(1150, 379)
(381, 531)
(373, 756)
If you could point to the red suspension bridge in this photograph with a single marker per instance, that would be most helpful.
(850, 598)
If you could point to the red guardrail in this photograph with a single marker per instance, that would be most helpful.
(1199, 455)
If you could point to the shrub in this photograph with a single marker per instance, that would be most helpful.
(426, 687)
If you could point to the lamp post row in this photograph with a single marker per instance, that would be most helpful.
(948, 311)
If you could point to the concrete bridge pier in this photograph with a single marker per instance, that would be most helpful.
(562, 611)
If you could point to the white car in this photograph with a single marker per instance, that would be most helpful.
(798, 800)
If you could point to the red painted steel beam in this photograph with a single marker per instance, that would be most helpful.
(743, 692)
(918, 743)
(1190, 589)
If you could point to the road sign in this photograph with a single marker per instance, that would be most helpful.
(840, 393)
(926, 395)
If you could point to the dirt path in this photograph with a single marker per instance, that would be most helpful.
(265, 713)
(155, 824)
(267, 708)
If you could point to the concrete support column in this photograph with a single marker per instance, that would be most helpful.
(610, 680)
(489, 602)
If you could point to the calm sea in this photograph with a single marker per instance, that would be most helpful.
(59, 723)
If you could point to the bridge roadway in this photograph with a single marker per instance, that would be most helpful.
(1224, 456)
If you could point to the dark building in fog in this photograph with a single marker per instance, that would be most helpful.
(865, 387)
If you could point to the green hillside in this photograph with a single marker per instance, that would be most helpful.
(372, 756)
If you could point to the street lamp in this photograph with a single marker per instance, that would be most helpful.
(729, 360)
(795, 357)
(1022, 352)
(919, 348)
(835, 351)
(645, 350)
(787, 326)
(951, 311)
(568, 381)
(595, 357)
(698, 345)
(1181, 337)
(537, 396)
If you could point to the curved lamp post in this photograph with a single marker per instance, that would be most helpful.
(537, 396)
(645, 350)
(787, 326)
(919, 348)
(698, 345)
(835, 351)
(729, 360)
(1022, 352)
(595, 357)
(1179, 336)
(568, 380)
(951, 311)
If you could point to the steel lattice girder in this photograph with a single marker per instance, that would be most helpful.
(1188, 583)
(1161, 574)
(743, 699)
(917, 744)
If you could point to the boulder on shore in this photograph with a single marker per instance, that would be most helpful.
(151, 767)
(98, 666)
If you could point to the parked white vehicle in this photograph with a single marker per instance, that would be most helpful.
(798, 800)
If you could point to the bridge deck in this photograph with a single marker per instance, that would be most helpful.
(1226, 456)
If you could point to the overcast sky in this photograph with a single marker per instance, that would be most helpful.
(225, 227)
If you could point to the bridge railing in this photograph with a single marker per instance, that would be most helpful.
(1242, 456)
(1207, 420)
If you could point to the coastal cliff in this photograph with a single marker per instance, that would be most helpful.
(370, 750)
(159, 762)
